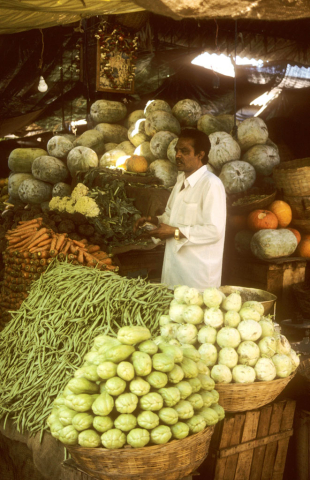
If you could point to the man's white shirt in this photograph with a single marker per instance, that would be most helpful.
(199, 211)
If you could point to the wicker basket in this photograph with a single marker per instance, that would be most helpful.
(171, 461)
(301, 292)
(301, 224)
(237, 397)
(293, 177)
(300, 206)
(249, 207)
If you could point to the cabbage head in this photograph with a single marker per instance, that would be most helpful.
(185, 389)
(139, 386)
(173, 350)
(168, 416)
(283, 364)
(193, 314)
(283, 345)
(228, 356)
(206, 381)
(138, 437)
(207, 334)
(213, 317)
(179, 293)
(125, 371)
(103, 405)
(221, 374)
(231, 319)
(82, 421)
(113, 438)
(151, 401)
(148, 346)
(148, 420)
(65, 416)
(267, 327)
(189, 368)
(208, 354)
(267, 347)
(187, 334)
(249, 313)
(142, 363)
(212, 298)
(207, 399)
(210, 416)
(195, 383)
(126, 403)
(219, 410)
(176, 375)
(102, 424)
(228, 337)
(232, 302)
(106, 370)
(125, 422)
(265, 370)
(248, 353)
(68, 435)
(161, 435)
(88, 372)
(196, 424)
(193, 297)
(115, 386)
(176, 312)
(162, 362)
(243, 374)
(171, 396)
(195, 400)
(295, 359)
(89, 439)
(184, 410)
(180, 430)
(157, 379)
(250, 330)
(258, 306)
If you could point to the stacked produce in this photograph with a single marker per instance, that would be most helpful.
(136, 391)
(47, 338)
(3, 192)
(236, 341)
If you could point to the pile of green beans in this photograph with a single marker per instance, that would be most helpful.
(46, 340)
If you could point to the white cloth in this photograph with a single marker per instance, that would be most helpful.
(199, 211)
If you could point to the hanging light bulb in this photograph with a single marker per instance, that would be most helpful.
(42, 87)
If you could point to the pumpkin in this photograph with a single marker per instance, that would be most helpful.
(112, 133)
(134, 116)
(171, 150)
(144, 150)
(161, 121)
(127, 147)
(61, 190)
(136, 164)
(49, 169)
(227, 122)
(252, 131)
(223, 149)
(262, 219)
(165, 171)
(187, 112)
(282, 211)
(243, 242)
(237, 176)
(112, 158)
(92, 139)
(107, 111)
(15, 179)
(237, 222)
(160, 142)
(268, 244)
(137, 134)
(154, 105)
(263, 158)
(81, 159)
(303, 249)
(34, 191)
(20, 159)
(297, 234)
(59, 146)
(209, 124)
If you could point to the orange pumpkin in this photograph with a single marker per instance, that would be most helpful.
(282, 211)
(137, 164)
(296, 233)
(303, 249)
(262, 219)
(237, 222)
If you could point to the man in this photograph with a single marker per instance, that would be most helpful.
(193, 223)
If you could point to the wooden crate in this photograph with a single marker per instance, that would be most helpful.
(251, 445)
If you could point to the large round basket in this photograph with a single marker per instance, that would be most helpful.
(293, 177)
(251, 205)
(300, 206)
(237, 397)
(267, 299)
(171, 461)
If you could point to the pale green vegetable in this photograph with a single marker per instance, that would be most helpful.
(159, 340)
(157, 379)
(191, 353)
(267, 327)
(101, 340)
(65, 415)
(213, 317)
(187, 334)
(219, 410)
(139, 386)
(250, 330)
(283, 345)
(68, 435)
(148, 420)
(169, 331)
(102, 387)
(232, 302)
(249, 353)
(179, 293)
(82, 385)
(176, 312)
(228, 356)
(148, 347)
(113, 438)
(142, 363)
(196, 424)
(172, 350)
(193, 314)
(151, 401)
(53, 417)
(202, 368)
(207, 334)
(126, 403)
(249, 313)
(161, 435)
(107, 370)
(82, 402)
(138, 437)
(89, 439)
(208, 354)
(119, 353)
(60, 400)
(90, 357)
(195, 383)
(216, 396)
(171, 396)
(221, 374)
(243, 374)
(67, 392)
(102, 424)
(56, 428)
(68, 401)
(168, 416)
(82, 421)
(163, 320)
(115, 386)
(90, 373)
(295, 359)
(267, 346)
(283, 364)
(195, 400)
(176, 375)
(184, 410)
(189, 368)
(210, 416)
(162, 362)
(125, 371)
(206, 382)
(132, 335)
(207, 399)
(185, 389)
(95, 358)
(259, 307)
(125, 422)
(228, 337)
(193, 297)
(180, 430)
(103, 405)
(231, 319)
(265, 370)
(212, 298)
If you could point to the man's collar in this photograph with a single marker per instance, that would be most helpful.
(194, 177)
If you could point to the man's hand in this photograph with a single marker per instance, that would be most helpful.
(163, 232)
(142, 220)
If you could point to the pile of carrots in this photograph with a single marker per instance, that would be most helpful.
(31, 248)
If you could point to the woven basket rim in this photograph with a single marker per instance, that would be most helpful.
(248, 386)
(246, 208)
(293, 165)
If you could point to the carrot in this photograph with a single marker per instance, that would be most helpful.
(73, 249)
(60, 241)
(65, 248)
(93, 248)
(80, 257)
(30, 222)
(45, 248)
(45, 242)
(53, 244)
(106, 261)
(43, 256)
(79, 244)
(101, 255)
(14, 235)
(113, 268)
(39, 239)
(90, 258)
(84, 241)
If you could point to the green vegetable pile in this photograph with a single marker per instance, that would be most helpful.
(137, 391)
(46, 340)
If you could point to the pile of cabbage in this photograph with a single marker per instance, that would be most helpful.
(234, 339)
(136, 391)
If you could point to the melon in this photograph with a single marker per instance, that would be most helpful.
(223, 149)
(137, 134)
(59, 147)
(144, 150)
(20, 159)
(171, 150)
(107, 111)
(268, 244)
(81, 159)
(227, 122)
(209, 124)
(159, 121)
(252, 131)
(92, 139)
(112, 133)
(15, 179)
(35, 191)
(110, 158)
(187, 112)
(160, 142)
(154, 105)
(61, 189)
(127, 147)
(110, 146)
(134, 116)
(165, 171)
(263, 158)
(49, 169)
(136, 164)
(237, 176)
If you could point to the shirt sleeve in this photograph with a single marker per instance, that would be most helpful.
(214, 219)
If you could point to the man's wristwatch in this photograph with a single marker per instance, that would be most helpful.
(177, 234)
